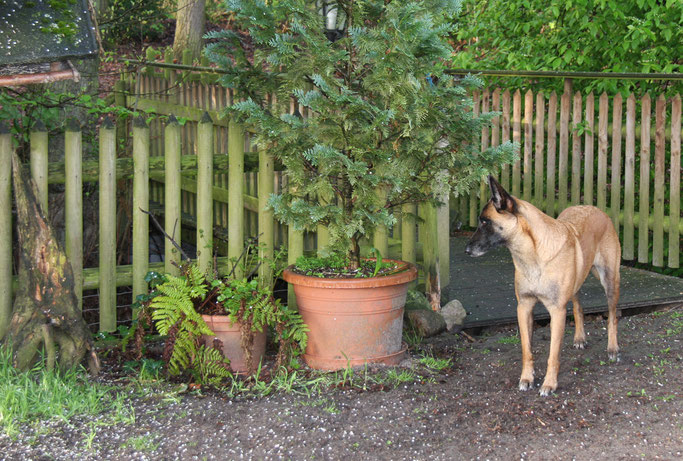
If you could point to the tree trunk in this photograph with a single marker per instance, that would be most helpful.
(45, 309)
(189, 28)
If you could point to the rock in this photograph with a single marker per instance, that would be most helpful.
(426, 322)
(416, 300)
(453, 314)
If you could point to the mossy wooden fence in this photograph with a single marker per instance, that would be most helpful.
(202, 175)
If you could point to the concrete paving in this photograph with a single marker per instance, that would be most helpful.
(485, 286)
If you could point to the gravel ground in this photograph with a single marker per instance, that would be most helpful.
(470, 410)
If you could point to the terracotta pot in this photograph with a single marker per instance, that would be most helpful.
(230, 336)
(352, 321)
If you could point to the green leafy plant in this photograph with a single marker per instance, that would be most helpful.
(175, 317)
(175, 306)
(387, 125)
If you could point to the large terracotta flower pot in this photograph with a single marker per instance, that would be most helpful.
(352, 321)
(230, 336)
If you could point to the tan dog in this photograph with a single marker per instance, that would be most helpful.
(552, 259)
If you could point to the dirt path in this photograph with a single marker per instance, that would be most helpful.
(472, 410)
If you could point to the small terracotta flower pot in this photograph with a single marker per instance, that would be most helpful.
(352, 321)
(230, 336)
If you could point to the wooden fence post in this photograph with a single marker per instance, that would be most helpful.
(39, 159)
(408, 234)
(430, 251)
(107, 207)
(140, 203)
(563, 152)
(172, 195)
(675, 184)
(266, 225)
(5, 229)
(658, 212)
(603, 115)
(517, 137)
(576, 149)
(528, 145)
(588, 150)
(552, 156)
(644, 196)
(539, 150)
(205, 193)
(629, 178)
(505, 137)
(616, 161)
(235, 192)
(73, 203)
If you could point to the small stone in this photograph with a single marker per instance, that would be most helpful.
(426, 322)
(454, 314)
(416, 300)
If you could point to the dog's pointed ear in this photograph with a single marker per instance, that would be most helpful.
(501, 200)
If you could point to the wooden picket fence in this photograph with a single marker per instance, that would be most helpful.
(203, 182)
(607, 162)
(205, 176)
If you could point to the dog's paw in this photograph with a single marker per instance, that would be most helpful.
(580, 344)
(546, 390)
(525, 384)
(613, 356)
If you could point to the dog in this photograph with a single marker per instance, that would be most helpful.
(552, 258)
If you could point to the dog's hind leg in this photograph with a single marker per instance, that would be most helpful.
(610, 279)
(579, 332)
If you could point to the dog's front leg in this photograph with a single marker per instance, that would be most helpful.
(558, 317)
(525, 306)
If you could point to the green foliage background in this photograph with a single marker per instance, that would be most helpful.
(573, 35)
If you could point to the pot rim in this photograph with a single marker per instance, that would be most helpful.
(405, 276)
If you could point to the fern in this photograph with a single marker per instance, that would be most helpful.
(175, 317)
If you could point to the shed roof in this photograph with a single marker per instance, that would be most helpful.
(35, 31)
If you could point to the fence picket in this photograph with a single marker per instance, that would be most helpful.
(538, 161)
(644, 196)
(140, 203)
(552, 155)
(73, 204)
(505, 169)
(266, 225)
(516, 137)
(483, 188)
(473, 193)
(675, 184)
(564, 152)
(603, 115)
(629, 177)
(107, 226)
(235, 192)
(660, 146)
(588, 150)
(172, 195)
(39, 160)
(528, 145)
(576, 149)
(205, 247)
(616, 161)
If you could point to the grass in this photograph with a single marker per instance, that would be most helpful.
(43, 395)
(435, 364)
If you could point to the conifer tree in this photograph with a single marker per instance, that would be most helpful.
(386, 125)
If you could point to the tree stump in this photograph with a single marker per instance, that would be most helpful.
(45, 311)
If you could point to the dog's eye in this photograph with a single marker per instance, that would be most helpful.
(484, 221)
